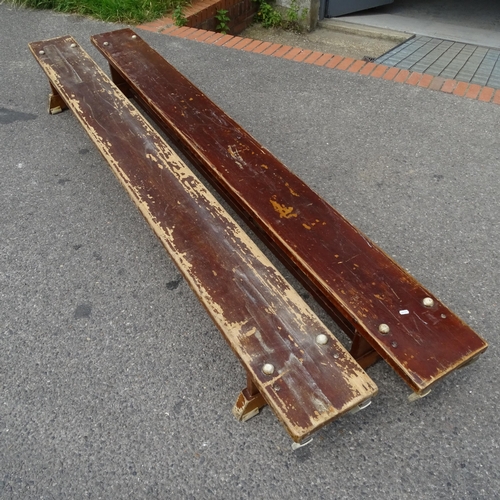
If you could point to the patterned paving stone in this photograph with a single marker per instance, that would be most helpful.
(446, 59)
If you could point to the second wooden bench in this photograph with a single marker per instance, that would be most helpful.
(385, 311)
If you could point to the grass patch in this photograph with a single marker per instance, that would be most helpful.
(122, 11)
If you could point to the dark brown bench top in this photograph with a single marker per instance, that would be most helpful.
(366, 291)
(262, 318)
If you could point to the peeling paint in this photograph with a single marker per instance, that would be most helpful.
(292, 192)
(283, 211)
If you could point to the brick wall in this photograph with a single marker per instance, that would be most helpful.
(240, 12)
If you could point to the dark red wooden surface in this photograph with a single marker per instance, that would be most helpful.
(261, 316)
(357, 282)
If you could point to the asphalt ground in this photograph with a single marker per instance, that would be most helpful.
(114, 381)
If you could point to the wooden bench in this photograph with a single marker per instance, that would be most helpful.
(293, 361)
(384, 310)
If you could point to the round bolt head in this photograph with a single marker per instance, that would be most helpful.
(321, 339)
(394, 344)
(336, 356)
(428, 302)
(42, 52)
(134, 36)
(384, 329)
(73, 45)
(106, 43)
(268, 369)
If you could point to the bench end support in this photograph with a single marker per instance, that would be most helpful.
(249, 402)
(56, 104)
(120, 82)
(363, 352)
(415, 396)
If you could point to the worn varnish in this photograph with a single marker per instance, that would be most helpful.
(353, 279)
(260, 315)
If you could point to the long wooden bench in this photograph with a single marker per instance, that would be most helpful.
(378, 304)
(293, 362)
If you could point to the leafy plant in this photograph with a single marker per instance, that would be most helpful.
(268, 16)
(178, 15)
(294, 18)
(293, 12)
(224, 19)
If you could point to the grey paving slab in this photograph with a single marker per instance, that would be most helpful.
(115, 383)
(494, 79)
(439, 52)
(463, 62)
(393, 54)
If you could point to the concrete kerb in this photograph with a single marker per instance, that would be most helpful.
(362, 30)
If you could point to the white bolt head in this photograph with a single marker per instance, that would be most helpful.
(134, 36)
(428, 302)
(73, 45)
(384, 329)
(321, 339)
(106, 43)
(268, 369)
(42, 52)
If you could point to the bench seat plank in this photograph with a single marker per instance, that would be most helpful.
(262, 318)
(361, 286)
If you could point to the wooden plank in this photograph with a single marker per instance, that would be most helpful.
(357, 283)
(262, 318)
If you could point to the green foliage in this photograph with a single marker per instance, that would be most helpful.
(224, 19)
(178, 15)
(268, 16)
(293, 19)
(124, 11)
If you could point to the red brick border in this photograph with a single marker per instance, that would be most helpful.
(201, 14)
(331, 61)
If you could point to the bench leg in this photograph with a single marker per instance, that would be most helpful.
(249, 402)
(415, 396)
(56, 104)
(120, 82)
(363, 352)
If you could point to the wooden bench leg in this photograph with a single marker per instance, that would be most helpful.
(120, 82)
(249, 402)
(415, 396)
(56, 104)
(363, 352)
